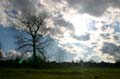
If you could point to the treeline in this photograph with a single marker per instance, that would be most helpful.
(42, 64)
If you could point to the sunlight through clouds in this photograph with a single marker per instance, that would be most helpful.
(80, 23)
(80, 27)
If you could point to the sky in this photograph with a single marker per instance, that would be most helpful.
(7, 36)
(81, 29)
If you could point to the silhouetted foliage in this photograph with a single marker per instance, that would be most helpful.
(28, 63)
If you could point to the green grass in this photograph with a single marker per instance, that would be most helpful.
(60, 73)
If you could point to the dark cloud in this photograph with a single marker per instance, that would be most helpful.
(116, 38)
(61, 22)
(115, 3)
(105, 27)
(93, 7)
(84, 37)
(22, 4)
(57, 1)
(112, 49)
(106, 36)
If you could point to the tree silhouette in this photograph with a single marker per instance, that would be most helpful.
(35, 26)
(1, 52)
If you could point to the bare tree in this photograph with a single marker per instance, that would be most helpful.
(35, 26)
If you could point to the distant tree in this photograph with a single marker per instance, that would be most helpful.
(1, 52)
(60, 55)
(0, 45)
(34, 25)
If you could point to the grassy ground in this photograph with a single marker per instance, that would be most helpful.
(60, 73)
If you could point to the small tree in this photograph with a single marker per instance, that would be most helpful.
(35, 26)
(1, 52)
(60, 55)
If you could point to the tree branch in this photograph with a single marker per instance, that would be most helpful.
(24, 45)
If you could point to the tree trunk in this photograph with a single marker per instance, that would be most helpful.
(34, 51)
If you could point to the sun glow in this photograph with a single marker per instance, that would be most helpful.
(80, 23)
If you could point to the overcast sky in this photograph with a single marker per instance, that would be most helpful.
(84, 29)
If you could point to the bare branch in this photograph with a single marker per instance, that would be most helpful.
(41, 52)
(24, 45)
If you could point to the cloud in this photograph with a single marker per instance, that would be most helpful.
(12, 54)
(3, 16)
(112, 49)
(117, 27)
(2, 53)
(106, 36)
(22, 5)
(10, 8)
(84, 37)
(62, 23)
(93, 7)
(73, 23)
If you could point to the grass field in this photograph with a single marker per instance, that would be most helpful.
(60, 73)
